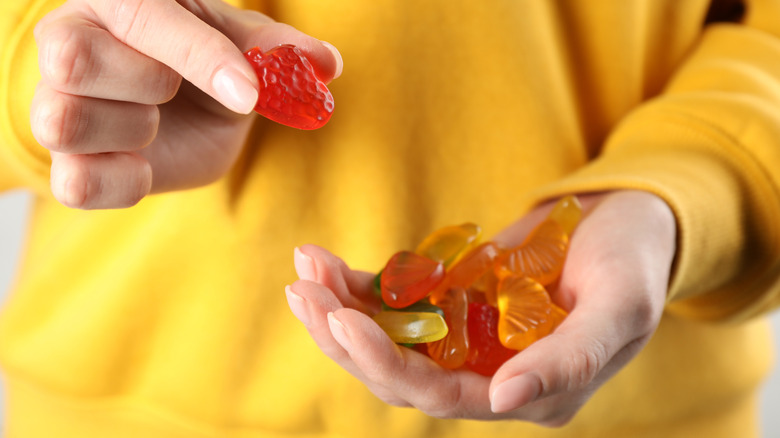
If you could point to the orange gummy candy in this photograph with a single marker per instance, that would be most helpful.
(526, 313)
(450, 352)
(542, 253)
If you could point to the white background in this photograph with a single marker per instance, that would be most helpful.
(13, 209)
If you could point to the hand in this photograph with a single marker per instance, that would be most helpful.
(140, 97)
(614, 285)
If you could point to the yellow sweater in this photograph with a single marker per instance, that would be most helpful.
(168, 319)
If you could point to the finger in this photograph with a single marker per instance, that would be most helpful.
(353, 288)
(110, 180)
(410, 375)
(249, 29)
(311, 302)
(194, 45)
(169, 33)
(573, 360)
(81, 125)
(78, 57)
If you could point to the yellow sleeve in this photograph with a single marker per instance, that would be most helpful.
(23, 163)
(710, 146)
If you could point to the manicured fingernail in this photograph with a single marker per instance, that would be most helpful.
(298, 305)
(514, 393)
(337, 55)
(339, 332)
(304, 265)
(235, 90)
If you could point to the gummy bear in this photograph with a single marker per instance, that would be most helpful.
(290, 92)
(409, 277)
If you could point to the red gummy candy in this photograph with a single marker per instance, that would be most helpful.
(408, 278)
(486, 354)
(290, 92)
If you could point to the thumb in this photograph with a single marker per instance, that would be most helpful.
(248, 29)
(200, 45)
(582, 353)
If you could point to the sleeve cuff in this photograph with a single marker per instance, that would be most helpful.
(728, 239)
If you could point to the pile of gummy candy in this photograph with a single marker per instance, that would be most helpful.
(474, 305)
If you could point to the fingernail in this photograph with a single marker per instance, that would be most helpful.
(514, 393)
(235, 90)
(337, 55)
(304, 266)
(298, 306)
(339, 332)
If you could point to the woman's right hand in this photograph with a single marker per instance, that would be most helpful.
(142, 96)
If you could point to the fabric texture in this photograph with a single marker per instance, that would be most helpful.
(169, 319)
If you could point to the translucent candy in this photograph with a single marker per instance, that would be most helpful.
(486, 354)
(567, 212)
(540, 256)
(469, 269)
(420, 306)
(446, 244)
(412, 327)
(493, 301)
(526, 313)
(450, 352)
(408, 278)
(543, 252)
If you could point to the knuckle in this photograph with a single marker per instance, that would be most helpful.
(645, 314)
(445, 402)
(141, 186)
(64, 57)
(129, 19)
(55, 123)
(584, 364)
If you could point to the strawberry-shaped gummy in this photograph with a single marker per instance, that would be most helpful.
(486, 354)
(290, 92)
(408, 278)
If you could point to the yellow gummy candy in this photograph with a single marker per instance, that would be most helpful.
(412, 327)
(447, 244)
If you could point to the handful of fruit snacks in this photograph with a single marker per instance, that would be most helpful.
(473, 305)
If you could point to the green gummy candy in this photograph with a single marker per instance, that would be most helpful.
(421, 306)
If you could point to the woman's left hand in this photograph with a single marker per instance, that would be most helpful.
(614, 286)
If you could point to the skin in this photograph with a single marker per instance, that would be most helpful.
(614, 285)
(142, 97)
